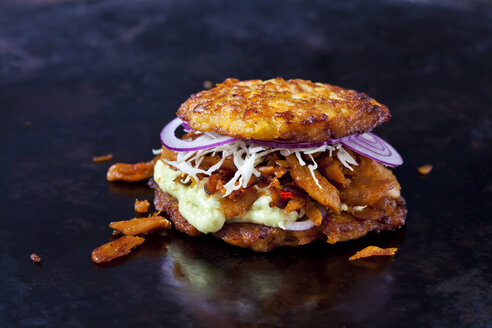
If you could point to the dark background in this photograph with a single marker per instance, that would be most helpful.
(81, 79)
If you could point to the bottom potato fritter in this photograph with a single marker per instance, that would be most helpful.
(261, 238)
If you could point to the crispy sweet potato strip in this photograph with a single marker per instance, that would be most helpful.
(141, 206)
(237, 206)
(275, 171)
(252, 181)
(103, 158)
(131, 172)
(282, 163)
(327, 195)
(315, 212)
(332, 169)
(117, 248)
(373, 251)
(209, 161)
(365, 191)
(276, 195)
(368, 168)
(168, 154)
(294, 204)
(140, 225)
(215, 183)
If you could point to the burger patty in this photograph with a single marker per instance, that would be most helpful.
(294, 110)
(261, 238)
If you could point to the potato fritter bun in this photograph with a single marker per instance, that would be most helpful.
(293, 110)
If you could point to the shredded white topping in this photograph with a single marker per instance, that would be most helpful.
(345, 158)
(246, 157)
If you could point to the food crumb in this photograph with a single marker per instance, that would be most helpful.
(424, 169)
(35, 258)
(103, 158)
(373, 251)
(207, 84)
(141, 206)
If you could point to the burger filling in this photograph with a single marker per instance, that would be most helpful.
(276, 187)
(205, 212)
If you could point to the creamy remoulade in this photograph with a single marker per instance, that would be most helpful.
(204, 212)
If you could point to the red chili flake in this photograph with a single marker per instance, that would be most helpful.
(286, 195)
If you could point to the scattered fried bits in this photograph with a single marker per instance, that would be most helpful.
(207, 84)
(131, 172)
(138, 226)
(35, 258)
(103, 158)
(114, 249)
(373, 251)
(141, 206)
(424, 169)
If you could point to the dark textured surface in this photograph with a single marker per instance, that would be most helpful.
(104, 76)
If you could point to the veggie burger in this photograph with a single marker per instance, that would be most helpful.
(275, 163)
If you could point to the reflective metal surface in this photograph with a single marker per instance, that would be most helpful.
(81, 79)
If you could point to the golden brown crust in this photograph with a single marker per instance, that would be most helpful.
(280, 109)
(345, 226)
(169, 204)
(261, 238)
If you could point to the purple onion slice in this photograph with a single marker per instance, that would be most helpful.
(370, 145)
(170, 141)
(366, 144)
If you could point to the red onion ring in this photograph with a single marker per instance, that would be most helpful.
(372, 146)
(170, 141)
(366, 144)
(299, 226)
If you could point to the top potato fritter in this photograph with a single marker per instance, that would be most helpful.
(294, 110)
